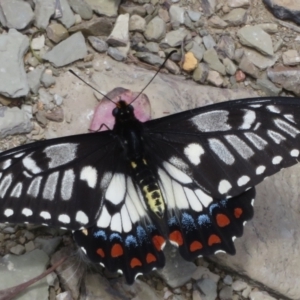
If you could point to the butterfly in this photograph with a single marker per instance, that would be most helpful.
(187, 178)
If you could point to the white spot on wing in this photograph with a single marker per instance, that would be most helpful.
(19, 154)
(27, 212)
(243, 180)
(294, 153)
(60, 154)
(6, 164)
(248, 119)
(115, 224)
(5, 184)
(193, 152)
(273, 108)
(34, 186)
(45, 215)
(240, 146)
(177, 174)
(81, 217)
(67, 184)
(180, 197)
(275, 136)
(50, 186)
(8, 212)
(104, 219)
(126, 222)
(193, 200)
(64, 219)
(256, 140)
(17, 190)
(221, 151)
(212, 121)
(286, 127)
(90, 175)
(115, 192)
(224, 186)
(30, 165)
(289, 117)
(165, 184)
(260, 170)
(203, 197)
(276, 160)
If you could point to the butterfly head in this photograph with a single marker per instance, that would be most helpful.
(123, 111)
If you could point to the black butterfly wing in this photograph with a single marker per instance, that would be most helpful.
(208, 161)
(56, 182)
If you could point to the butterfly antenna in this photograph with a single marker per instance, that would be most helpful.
(162, 65)
(72, 72)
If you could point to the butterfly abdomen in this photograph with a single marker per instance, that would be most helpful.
(145, 179)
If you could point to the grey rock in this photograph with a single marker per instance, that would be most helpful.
(230, 67)
(152, 47)
(98, 44)
(208, 7)
(172, 67)
(17, 250)
(120, 33)
(211, 58)
(45, 98)
(200, 73)
(238, 3)
(107, 8)
(215, 78)
(58, 99)
(269, 88)
(228, 280)
(96, 27)
(43, 11)
(150, 58)
(15, 14)
(260, 61)
(47, 80)
(208, 289)
(155, 30)
(226, 293)
(9, 230)
(248, 67)
(48, 245)
(40, 116)
(174, 38)
(64, 296)
(25, 267)
(177, 271)
(57, 32)
(236, 17)
(291, 57)
(38, 43)
(34, 77)
(239, 285)
(82, 8)
(116, 54)
(13, 81)
(137, 23)
(225, 47)
(287, 77)
(209, 42)
(217, 22)
(68, 51)
(132, 10)
(67, 18)
(197, 50)
(194, 15)
(269, 27)
(255, 37)
(258, 295)
(284, 10)
(176, 14)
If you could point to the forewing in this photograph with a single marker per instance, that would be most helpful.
(57, 182)
(229, 147)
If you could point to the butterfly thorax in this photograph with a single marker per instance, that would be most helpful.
(129, 131)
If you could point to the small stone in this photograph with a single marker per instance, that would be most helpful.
(82, 8)
(56, 115)
(155, 30)
(194, 15)
(248, 67)
(246, 292)
(137, 23)
(215, 78)
(174, 38)
(255, 295)
(269, 27)
(17, 250)
(152, 47)
(164, 15)
(207, 286)
(29, 246)
(58, 100)
(291, 57)
(176, 14)
(236, 17)
(57, 32)
(238, 3)
(226, 293)
(115, 54)
(211, 58)
(98, 44)
(200, 73)
(9, 230)
(47, 80)
(190, 62)
(227, 280)
(119, 36)
(240, 76)
(209, 42)
(230, 67)
(217, 22)
(239, 285)
(38, 43)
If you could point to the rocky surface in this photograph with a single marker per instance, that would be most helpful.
(225, 50)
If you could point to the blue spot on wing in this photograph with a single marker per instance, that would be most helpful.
(203, 220)
(187, 221)
(131, 241)
(100, 233)
(115, 236)
(141, 233)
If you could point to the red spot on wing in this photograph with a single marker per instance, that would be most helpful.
(222, 220)
(214, 239)
(100, 252)
(176, 237)
(158, 241)
(238, 212)
(135, 263)
(150, 258)
(116, 250)
(195, 245)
